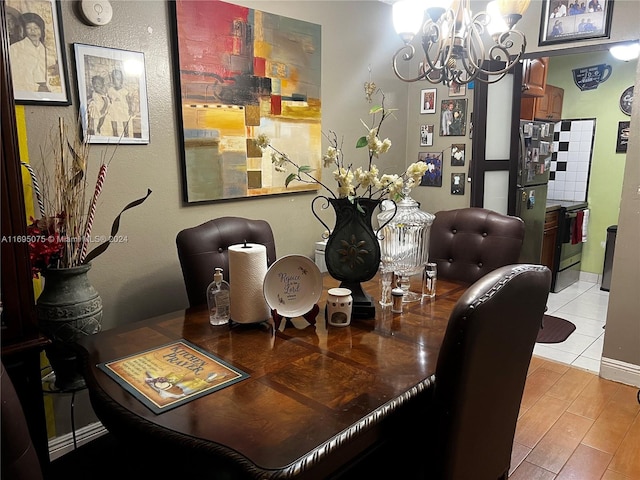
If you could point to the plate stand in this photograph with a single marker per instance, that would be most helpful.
(310, 317)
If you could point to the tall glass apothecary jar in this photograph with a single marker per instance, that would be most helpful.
(404, 242)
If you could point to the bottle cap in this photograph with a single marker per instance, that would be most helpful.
(217, 276)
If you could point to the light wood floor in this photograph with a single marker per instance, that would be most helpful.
(575, 425)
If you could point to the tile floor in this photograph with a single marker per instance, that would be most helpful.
(584, 304)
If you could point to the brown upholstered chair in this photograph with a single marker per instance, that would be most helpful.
(481, 372)
(203, 248)
(468, 243)
(465, 429)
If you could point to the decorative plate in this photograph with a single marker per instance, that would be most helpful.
(292, 285)
(626, 99)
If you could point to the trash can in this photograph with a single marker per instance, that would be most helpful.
(612, 231)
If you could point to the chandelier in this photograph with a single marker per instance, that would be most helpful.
(453, 39)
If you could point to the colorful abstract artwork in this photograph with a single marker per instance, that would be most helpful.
(244, 72)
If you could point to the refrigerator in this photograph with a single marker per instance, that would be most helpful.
(534, 162)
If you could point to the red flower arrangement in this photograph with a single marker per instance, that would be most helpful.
(45, 244)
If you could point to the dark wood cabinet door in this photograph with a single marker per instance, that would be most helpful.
(534, 79)
(549, 239)
(21, 340)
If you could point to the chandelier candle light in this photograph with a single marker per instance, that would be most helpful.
(453, 39)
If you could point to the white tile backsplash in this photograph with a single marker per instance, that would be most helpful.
(573, 147)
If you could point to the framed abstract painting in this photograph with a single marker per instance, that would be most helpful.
(242, 73)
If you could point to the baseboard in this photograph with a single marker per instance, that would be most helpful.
(589, 277)
(618, 371)
(58, 446)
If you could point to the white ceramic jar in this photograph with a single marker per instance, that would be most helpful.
(339, 306)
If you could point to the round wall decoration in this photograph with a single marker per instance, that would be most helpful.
(626, 99)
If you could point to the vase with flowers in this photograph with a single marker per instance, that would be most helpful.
(352, 253)
(68, 307)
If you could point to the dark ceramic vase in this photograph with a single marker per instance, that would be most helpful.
(68, 309)
(352, 253)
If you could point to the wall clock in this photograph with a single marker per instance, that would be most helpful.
(626, 99)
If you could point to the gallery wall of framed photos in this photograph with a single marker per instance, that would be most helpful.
(444, 137)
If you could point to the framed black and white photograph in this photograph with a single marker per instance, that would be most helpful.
(568, 21)
(113, 95)
(457, 183)
(428, 100)
(457, 154)
(426, 135)
(37, 52)
(433, 176)
(623, 137)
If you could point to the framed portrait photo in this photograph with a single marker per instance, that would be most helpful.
(37, 53)
(457, 183)
(567, 21)
(457, 89)
(426, 135)
(113, 95)
(428, 100)
(453, 117)
(457, 154)
(433, 176)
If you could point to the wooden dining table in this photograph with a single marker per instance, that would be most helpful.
(316, 396)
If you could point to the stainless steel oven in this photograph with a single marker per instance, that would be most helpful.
(569, 245)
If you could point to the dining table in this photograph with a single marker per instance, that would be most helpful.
(315, 397)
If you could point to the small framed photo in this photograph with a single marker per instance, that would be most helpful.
(623, 137)
(567, 21)
(457, 89)
(37, 52)
(433, 176)
(457, 155)
(457, 183)
(453, 117)
(426, 135)
(113, 95)
(428, 100)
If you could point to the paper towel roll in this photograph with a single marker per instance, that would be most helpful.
(247, 268)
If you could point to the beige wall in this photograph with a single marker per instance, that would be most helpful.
(142, 277)
(621, 352)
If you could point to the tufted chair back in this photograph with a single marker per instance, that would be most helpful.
(468, 243)
(203, 248)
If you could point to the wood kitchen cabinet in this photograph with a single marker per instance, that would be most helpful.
(549, 239)
(534, 76)
(547, 108)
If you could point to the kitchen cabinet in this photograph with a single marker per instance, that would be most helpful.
(534, 76)
(549, 237)
(547, 108)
